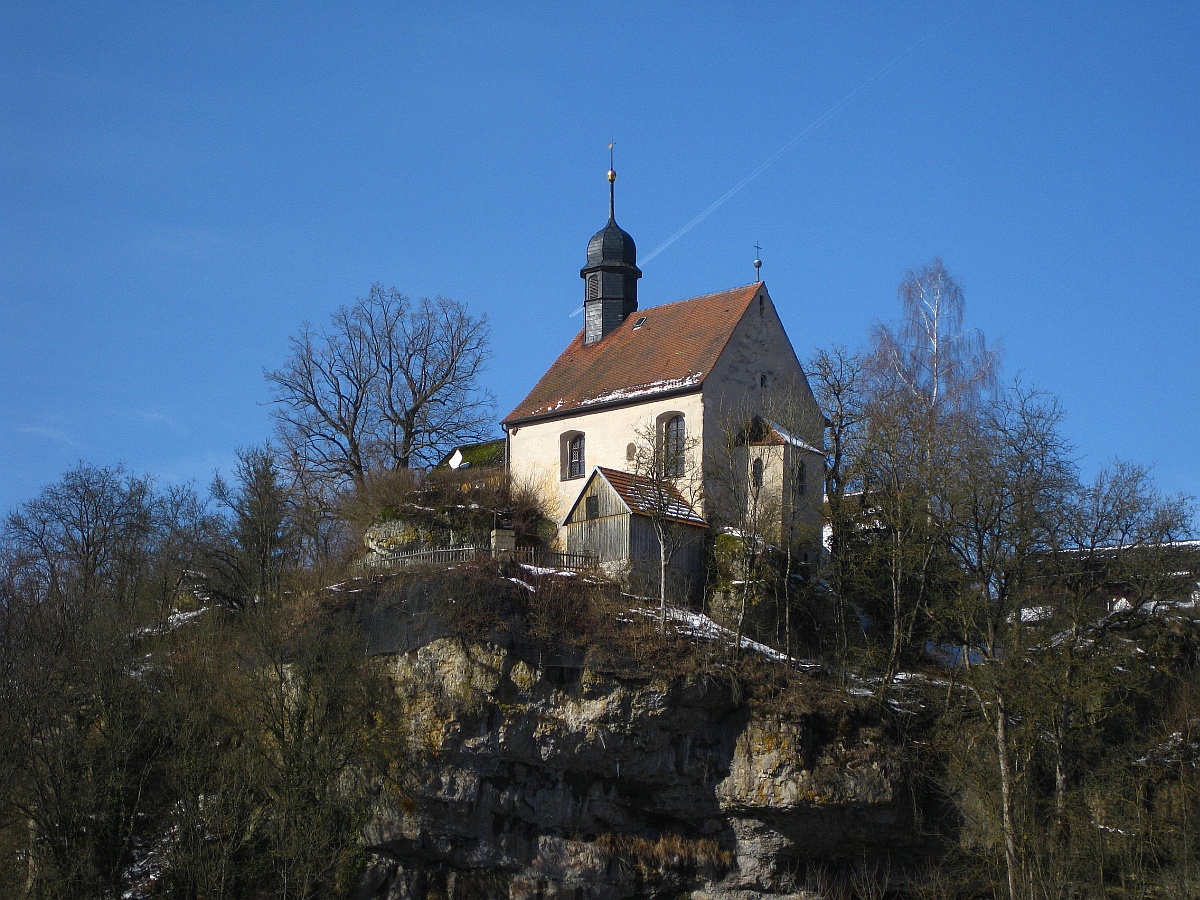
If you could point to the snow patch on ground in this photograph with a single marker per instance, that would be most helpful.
(177, 619)
(542, 570)
(698, 625)
(1172, 751)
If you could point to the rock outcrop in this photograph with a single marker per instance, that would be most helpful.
(537, 775)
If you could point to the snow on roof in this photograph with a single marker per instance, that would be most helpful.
(650, 498)
(654, 387)
(790, 438)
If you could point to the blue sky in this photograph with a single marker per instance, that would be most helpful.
(182, 184)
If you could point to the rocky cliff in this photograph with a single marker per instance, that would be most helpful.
(544, 771)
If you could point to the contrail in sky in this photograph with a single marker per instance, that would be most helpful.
(817, 123)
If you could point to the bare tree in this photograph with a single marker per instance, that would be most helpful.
(743, 471)
(1038, 550)
(796, 426)
(839, 382)
(390, 385)
(1116, 535)
(82, 569)
(930, 356)
(928, 378)
(670, 483)
(85, 533)
(1010, 475)
(260, 538)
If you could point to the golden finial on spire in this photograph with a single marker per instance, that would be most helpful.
(612, 171)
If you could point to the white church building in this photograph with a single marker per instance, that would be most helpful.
(698, 375)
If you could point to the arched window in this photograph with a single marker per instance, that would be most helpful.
(674, 446)
(575, 456)
(800, 485)
(757, 472)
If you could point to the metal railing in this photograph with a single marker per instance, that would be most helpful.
(530, 556)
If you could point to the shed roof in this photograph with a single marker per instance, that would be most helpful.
(673, 349)
(644, 496)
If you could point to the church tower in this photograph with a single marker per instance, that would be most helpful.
(610, 276)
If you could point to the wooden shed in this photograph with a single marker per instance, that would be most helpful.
(613, 517)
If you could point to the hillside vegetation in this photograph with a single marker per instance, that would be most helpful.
(161, 739)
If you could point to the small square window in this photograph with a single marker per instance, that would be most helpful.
(591, 507)
(639, 323)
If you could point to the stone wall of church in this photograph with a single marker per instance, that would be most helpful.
(759, 374)
(536, 457)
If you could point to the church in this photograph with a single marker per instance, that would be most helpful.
(706, 387)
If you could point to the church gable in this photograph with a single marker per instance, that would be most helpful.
(759, 373)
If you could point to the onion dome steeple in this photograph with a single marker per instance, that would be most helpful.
(610, 276)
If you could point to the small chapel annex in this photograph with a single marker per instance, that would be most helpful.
(697, 375)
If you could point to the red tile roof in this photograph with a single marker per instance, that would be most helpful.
(673, 350)
(641, 495)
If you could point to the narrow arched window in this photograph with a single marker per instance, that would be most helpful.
(575, 457)
(757, 472)
(801, 482)
(674, 441)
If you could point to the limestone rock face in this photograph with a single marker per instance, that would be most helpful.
(539, 780)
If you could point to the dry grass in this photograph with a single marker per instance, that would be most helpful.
(649, 859)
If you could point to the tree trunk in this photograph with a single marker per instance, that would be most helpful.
(1004, 763)
(662, 580)
(737, 647)
(787, 604)
(1062, 728)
